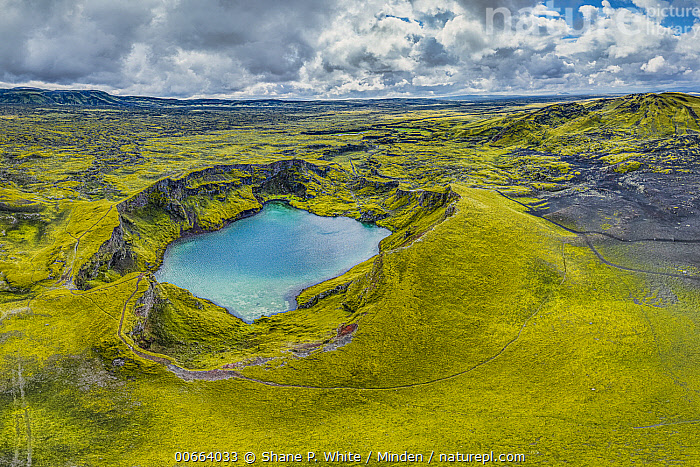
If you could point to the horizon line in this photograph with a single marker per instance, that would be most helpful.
(452, 97)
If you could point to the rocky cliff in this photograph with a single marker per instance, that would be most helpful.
(210, 198)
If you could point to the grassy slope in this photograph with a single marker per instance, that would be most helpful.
(589, 367)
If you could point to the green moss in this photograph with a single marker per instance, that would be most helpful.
(628, 166)
(479, 327)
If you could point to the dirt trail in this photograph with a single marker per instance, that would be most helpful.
(66, 280)
(213, 375)
(70, 273)
(21, 403)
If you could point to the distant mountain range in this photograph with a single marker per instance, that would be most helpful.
(93, 98)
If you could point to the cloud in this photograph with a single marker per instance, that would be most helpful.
(344, 48)
(655, 64)
(62, 41)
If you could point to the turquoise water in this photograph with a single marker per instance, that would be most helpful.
(256, 266)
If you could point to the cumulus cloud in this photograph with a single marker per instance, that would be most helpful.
(655, 64)
(344, 48)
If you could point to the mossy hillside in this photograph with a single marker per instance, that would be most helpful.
(184, 326)
(68, 398)
(197, 334)
(25, 222)
(161, 219)
(180, 316)
(80, 153)
(47, 240)
(594, 352)
(600, 375)
(579, 338)
(641, 115)
(392, 298)
(91, 221)
(536, 147)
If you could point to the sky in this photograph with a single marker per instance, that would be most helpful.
(310, 49)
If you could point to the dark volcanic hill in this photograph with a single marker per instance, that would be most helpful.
(93, 98)
(633, 164)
